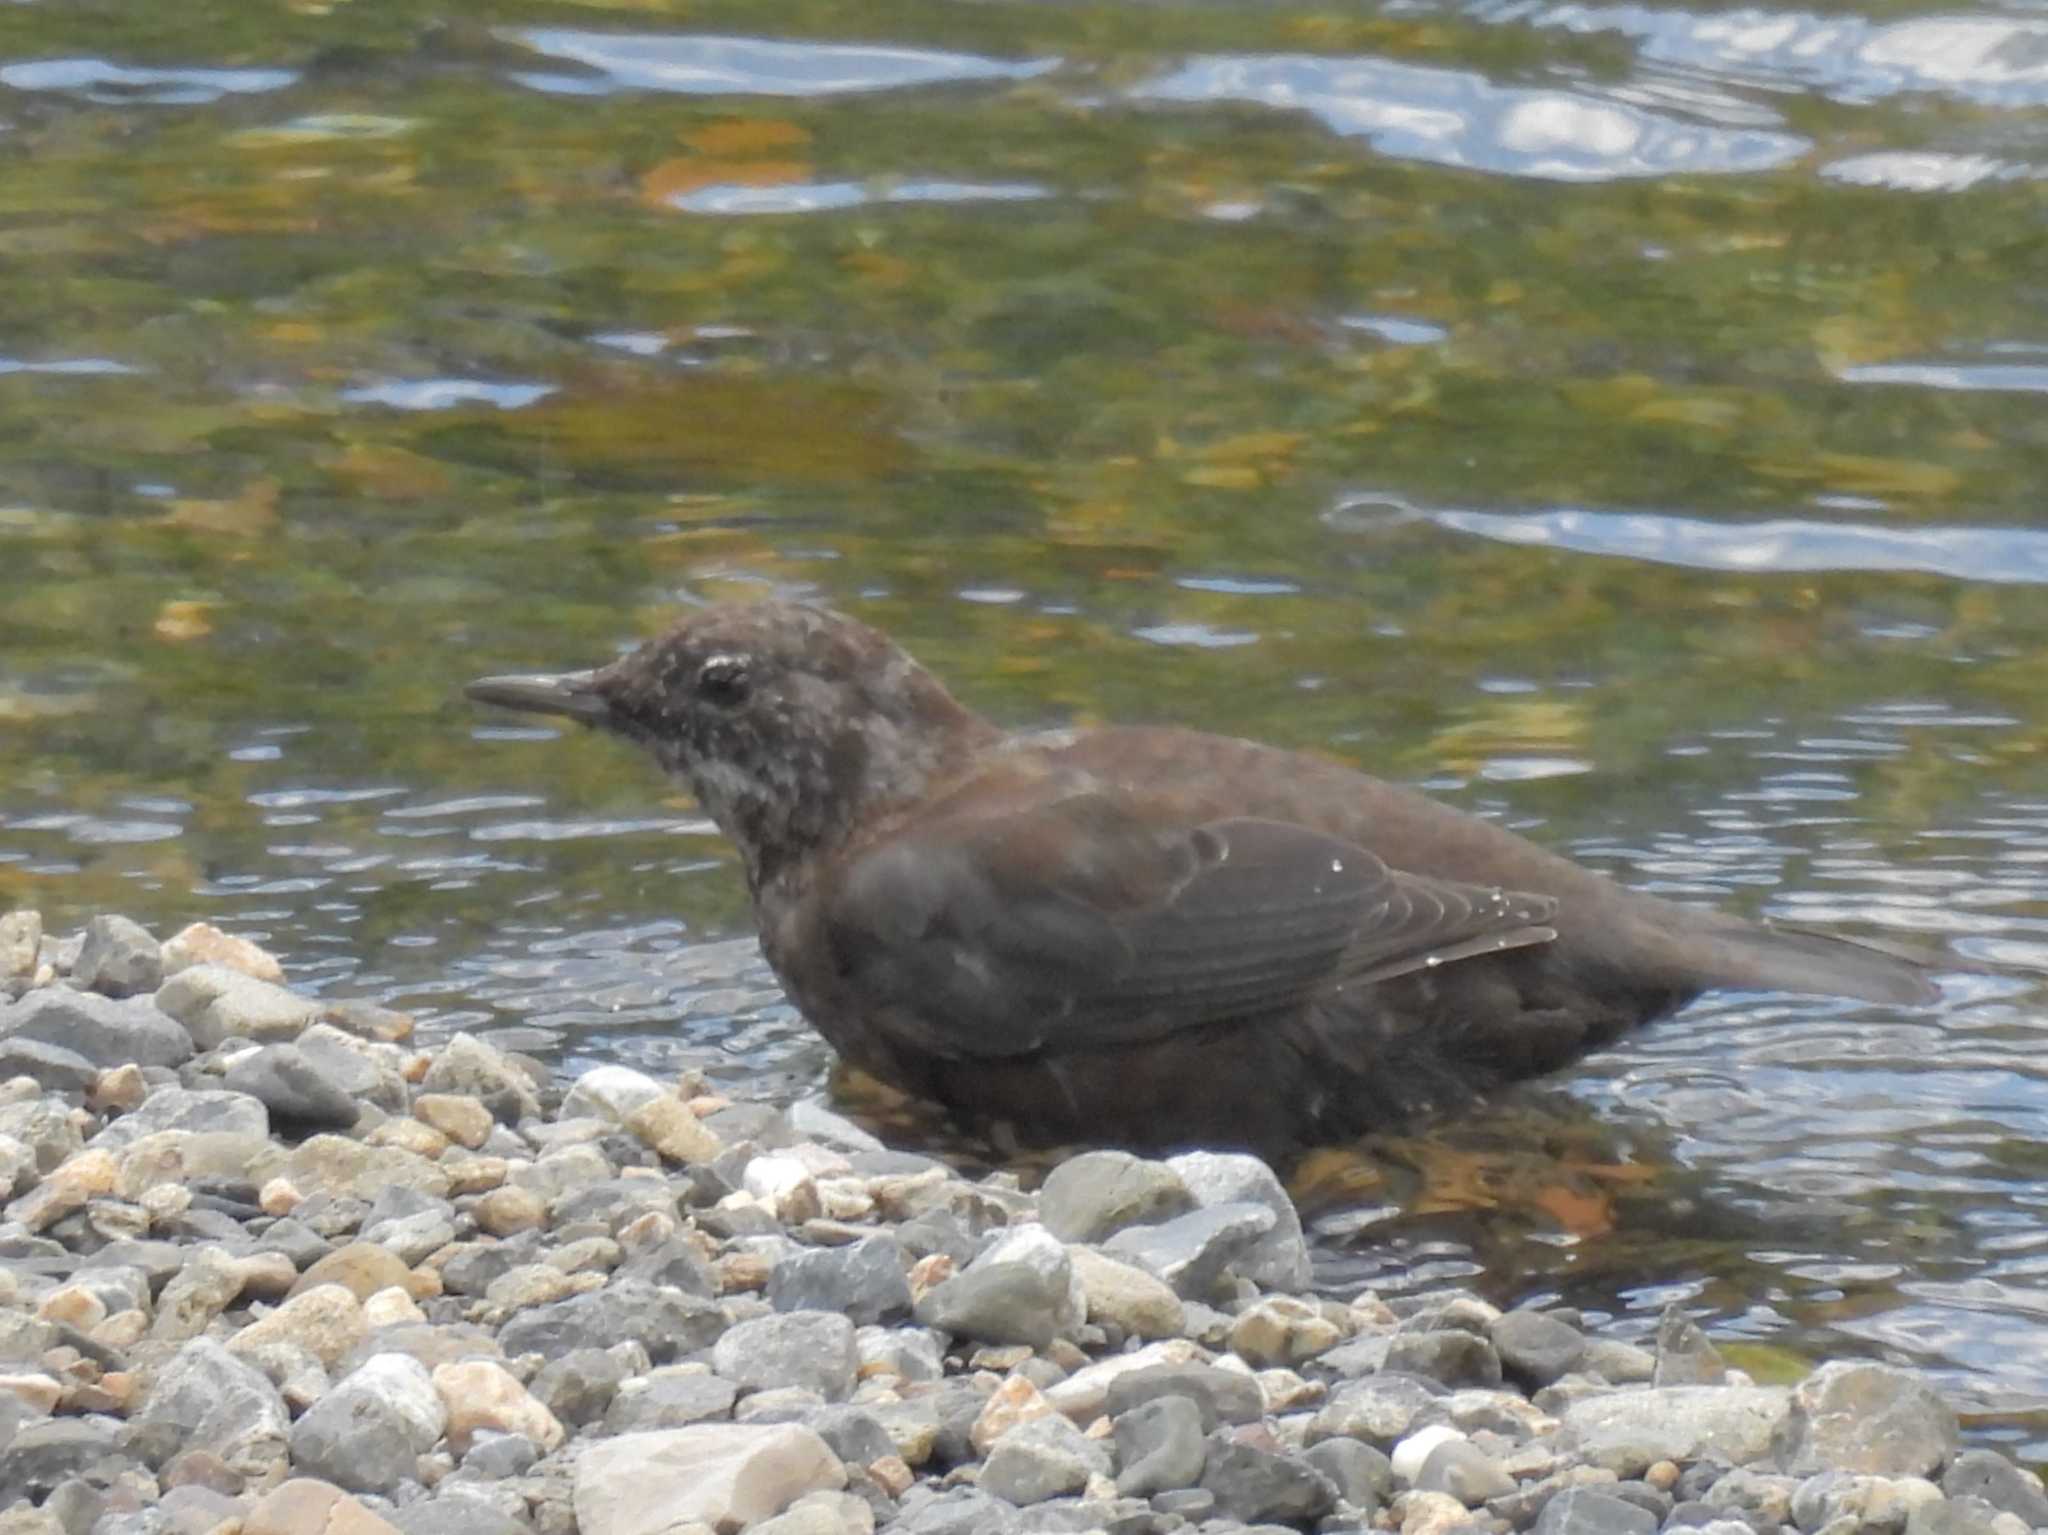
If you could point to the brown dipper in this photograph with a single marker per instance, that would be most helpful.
(1142, 935)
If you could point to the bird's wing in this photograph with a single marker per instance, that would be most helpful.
(1105, 919)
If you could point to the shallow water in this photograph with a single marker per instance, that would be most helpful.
(1625, 420)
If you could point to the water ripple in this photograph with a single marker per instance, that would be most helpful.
(1450, 117)
(750, 66)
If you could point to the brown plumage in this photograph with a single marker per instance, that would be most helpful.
(1143, 935)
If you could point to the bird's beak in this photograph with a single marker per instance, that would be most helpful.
(574, 694)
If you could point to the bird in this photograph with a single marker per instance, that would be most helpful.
(1145, 936)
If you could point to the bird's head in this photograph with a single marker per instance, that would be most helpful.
(791, 724)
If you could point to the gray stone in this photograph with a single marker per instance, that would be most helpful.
(45, 1127)
(467, 1065)
(104, 1031)
(1583, 1511)
(1618, 1363)
(673, 1262)
(1041, 1458)
(1256, 1486)
(1627, 1431)
(808, 1349)
(1379, 1410)
(855, 1434)
(285, 1080)
(1363, 1476)
(454, 1514)
(119, 958)
(1760, 1493)
(578, 1387)
(1875, 1503)
(1684, 1356)
(221, 1405)
(1536, 1349)
(364, 1069)
(865, 1282)
(669, 1322)
(959, 1511)
(1451, 1356)
(216, 1004)
(1193, 1252)
(1159, 1446)
(1223, 1396)
(1869, 1418)
(495, 1457)
(1099, 1193)
(1460, 1468)
(1955, 1516)
(201, 1111)
(1280, 1260)
(1021, 1290)
(41, 1455)
(368, 1433)
(1989, 1475)
(670, 1397)
(54, 1068)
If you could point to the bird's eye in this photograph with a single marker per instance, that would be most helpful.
(723, 681)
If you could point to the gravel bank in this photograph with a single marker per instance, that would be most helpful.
(270, 1269)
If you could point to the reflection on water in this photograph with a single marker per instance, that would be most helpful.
(1458, 119)
(1621, 419)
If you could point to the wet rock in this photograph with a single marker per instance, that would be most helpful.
(1192, 1252)
(1450, 1356)
(1159, 1446)
(1043, 1458)
(98, 1029)
(284, 1079)
(119, 958)
(1280, 1258)
(865, 1282)
(368, 1433)
(809, 1349)
(1684, 1356)
(1536, 1349)
(1869, 1418)
(720, 1475)
(1097, 1194)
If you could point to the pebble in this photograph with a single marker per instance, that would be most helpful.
(269, 1271)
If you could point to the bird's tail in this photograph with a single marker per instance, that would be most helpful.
(1754, 957)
